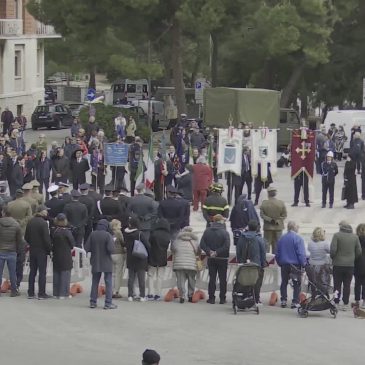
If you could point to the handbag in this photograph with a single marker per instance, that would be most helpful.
(199, 262)
(139, 249)
(343, 193)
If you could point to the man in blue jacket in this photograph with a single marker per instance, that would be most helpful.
(291, 257)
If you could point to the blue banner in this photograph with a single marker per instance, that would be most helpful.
(116, 154)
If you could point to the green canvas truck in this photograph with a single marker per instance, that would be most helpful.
(256, 106)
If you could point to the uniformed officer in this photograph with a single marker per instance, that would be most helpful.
(90, 205)
(35, 192)
(329, 171)
(63, 192)
(174, 210)
(109, 207)
(55, 205)
(215, 203)
(27, 196)
(76, 214)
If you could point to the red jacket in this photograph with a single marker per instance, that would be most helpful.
(202, 176)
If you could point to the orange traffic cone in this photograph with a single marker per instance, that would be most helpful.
(201, 294)
(196, 297)
(5, 287)
(170, 295)
(273, 298)
(76, 289)
(176, 293)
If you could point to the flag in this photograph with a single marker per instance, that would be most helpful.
(191, 159)
(163, 145)
(150, 171)
(210, 154)
(230, 150)
(303, 152)
(179, 160)
(264, 151)
(140, 171)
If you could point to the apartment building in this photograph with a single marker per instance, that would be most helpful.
(21, 57)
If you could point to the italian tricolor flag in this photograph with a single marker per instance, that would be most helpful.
(150, 171)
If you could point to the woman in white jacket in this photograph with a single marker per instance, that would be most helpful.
(185, 248)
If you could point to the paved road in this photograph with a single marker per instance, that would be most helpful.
(67, 332)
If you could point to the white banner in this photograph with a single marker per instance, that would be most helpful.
(264, 151)
(230, 150)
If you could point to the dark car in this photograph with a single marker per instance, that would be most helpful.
(50, 95)
(56, 115)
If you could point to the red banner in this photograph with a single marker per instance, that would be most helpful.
(303, 151)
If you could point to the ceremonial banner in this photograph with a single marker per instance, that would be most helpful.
(116, 154)
(264, 151)
(230, 150)
(303, 150)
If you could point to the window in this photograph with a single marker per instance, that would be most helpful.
(131, 88)
(19, 110)
(39, 60)
(18, 64)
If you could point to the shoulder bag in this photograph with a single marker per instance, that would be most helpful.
(139, 249)
(199, 262)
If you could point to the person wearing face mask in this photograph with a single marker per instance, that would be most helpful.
(329, 172)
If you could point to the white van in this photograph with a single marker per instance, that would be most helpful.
(127, 90)
(346, 118)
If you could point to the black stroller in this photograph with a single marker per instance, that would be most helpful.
(243, 293)
(318, 299)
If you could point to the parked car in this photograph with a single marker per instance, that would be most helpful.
(50, 95)
(48, 116)
(76, 108)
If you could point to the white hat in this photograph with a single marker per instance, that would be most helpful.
(53, 188)
(330, 154)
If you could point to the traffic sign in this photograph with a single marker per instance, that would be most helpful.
(200, 84)
(91, 93)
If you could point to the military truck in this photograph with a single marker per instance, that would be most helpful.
(256, 106)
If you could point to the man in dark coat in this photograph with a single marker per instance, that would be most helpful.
(329, 171)
(118, 173)
(17, 176)
(96, 197)
(259, 184)
(350, 185)
(143, 207)
(100, 245)
(38, 238)
(78, 166)
(43, 172)
(90, 205)
(174, 210)
(109, 208)
(157, 260)
(215, 243)
(55, 205)
(124, 205)
(238, 182)
(134, 155)
(63, 193)
(185, 183)
(7, 118)
(76, 214)
(251, 246)
(3, 167)
(60, 167)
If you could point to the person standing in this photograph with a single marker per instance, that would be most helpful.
(160, 239)
(345, 249)
(76, 214)
(202, 179)
(360, 269)
(357, 149)
(340, 139)
(100, 245)
(301, 181)
(60, 167)
(329, 172)
(135, 153)
(109, 208)
(273, 213)
(90, 205)
(35, 192)
(98, 170)
(185, 249)
(11, 242)
(118, 256)
(251, 248)
(54, 205)
(78, 166)
(350, 185)
(259, 184)
(185, 183)
(7, 118)
(215, 203)
(175, 210)
(215, 242)
(137, 266)
(130, 129)
(291, 257)
(91, 126)
(38, 238)
(43, 172)
(144, 208)
(27, 196)
(17, 175)
(62, 244)
(150, 357)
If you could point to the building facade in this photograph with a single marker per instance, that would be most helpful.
(21, 58)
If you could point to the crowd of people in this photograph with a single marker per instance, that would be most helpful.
(134, 229)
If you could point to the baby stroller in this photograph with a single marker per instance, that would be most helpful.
(318, 300)
(243, 293)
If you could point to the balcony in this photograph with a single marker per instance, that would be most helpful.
(11, 27)
(46, 31)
